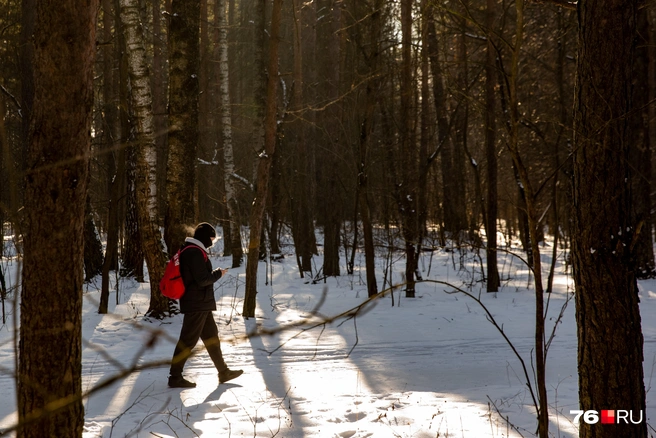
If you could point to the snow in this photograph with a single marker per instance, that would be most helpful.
(432, 366)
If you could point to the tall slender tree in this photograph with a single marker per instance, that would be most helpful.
(303, 227)
(159, 85)
(145, 154)
(365, 144)
(330, 208)
(532, 219)
(50, 352)
(184, 68)
(111, 140)
(408, 183)
(491, 151)
(264, 163)
(234, 219)
(641, 155)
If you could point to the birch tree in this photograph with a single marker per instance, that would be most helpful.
(145, 154)
(234, 219)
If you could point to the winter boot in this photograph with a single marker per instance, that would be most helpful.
(228, 374)
(180, 382)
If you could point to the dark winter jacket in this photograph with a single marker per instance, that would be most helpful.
(198, 278)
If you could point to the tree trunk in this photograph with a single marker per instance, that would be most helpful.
(184, 66)
(461, 125)
(111, 250)
(366, 131)
(145, 156)
(116, 153)
(641, 155)
(263, 164)
(610, 341)
(207, 101)
(276, 199)
(444, 139)
(407, 190)
(26, 58)
(131, 253)
(159, 90)
(528, 200)
(330, 214)
(491, 153)
(226, 130)
(50, 351)
(301, 215)
(563, 119)
(93, 255)
(5, 181)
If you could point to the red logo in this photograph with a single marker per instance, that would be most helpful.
(607, 417)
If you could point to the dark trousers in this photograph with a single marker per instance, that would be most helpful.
(197, 325)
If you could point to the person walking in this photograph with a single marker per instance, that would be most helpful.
(197, 305)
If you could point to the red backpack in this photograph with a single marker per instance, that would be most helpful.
(171, 285)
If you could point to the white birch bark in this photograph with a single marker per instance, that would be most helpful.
(146, 156)
(226, 130)
(141, 98)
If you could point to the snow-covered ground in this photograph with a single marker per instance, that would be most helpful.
(432, 366)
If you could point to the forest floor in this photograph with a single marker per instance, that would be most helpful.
(432, 366)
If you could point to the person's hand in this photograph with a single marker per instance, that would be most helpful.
(223, 272)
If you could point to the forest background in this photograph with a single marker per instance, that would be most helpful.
(125, 117)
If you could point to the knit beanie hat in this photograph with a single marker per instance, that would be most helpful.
(205, 232)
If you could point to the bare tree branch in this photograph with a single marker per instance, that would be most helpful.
(562, 3)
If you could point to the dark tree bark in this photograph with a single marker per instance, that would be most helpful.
(4, 180)
(453, 183)
(132, 254)
(116, 153)
(407, 186)
(303, 225)
(329, 194)
(564, 117)
(493, 282)
(50, 352)
(365, 146)
(460, 137)
(332, 223)
(641, 155)
(276, 204)
(184, 66)
(264, 164)
(27, 70)
(93, 255)
(207, 141)
(610, 341)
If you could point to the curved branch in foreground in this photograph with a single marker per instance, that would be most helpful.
(497, 326)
